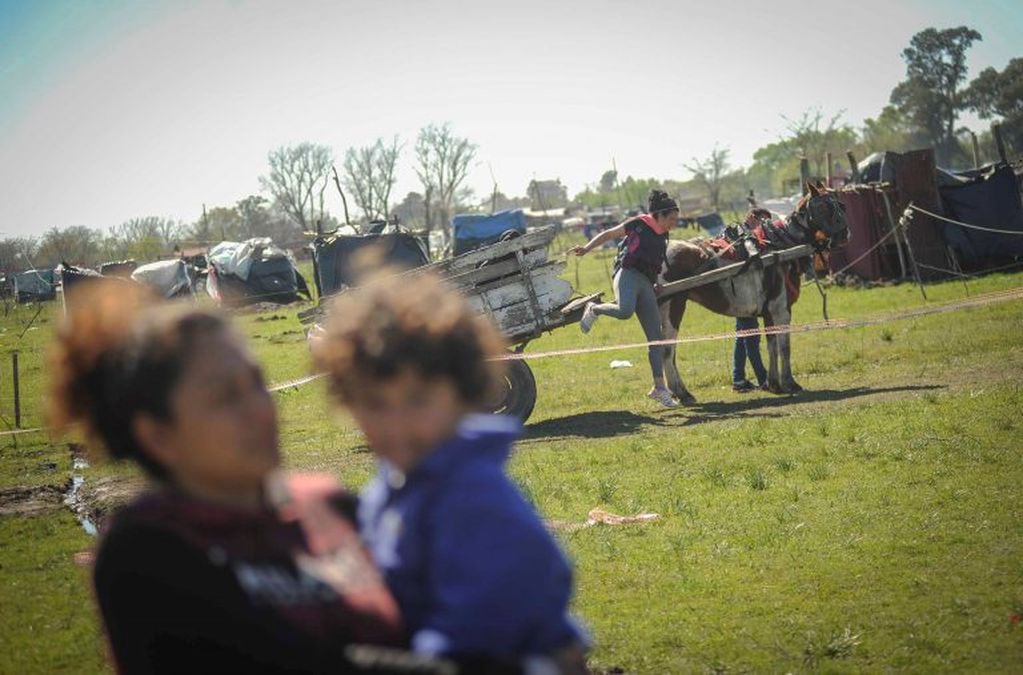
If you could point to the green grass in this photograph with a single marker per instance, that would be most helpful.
(869, 523)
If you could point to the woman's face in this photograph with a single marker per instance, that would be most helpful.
(222, 439)
(669, 221)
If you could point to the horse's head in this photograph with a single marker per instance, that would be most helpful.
(823, 214)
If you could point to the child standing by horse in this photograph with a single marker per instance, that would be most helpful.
(471, 564)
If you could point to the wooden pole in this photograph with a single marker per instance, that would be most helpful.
(904, 221)
(17, 391)
(976, 150)
(996, 131)
(853, 166)
(804, 175)
(827, 173)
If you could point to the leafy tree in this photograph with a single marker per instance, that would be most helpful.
(608, 181)
(1000, 94)
(297, 180)
(77, 244)
(892, 130)
(16, 252)
(931, 96)
(443, 161)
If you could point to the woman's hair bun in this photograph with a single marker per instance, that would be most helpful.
(660, 202)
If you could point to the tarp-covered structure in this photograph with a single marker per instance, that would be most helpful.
(35, 286)
(475, 230)
(169, 278)
(909, 177)
(988, 198)
(255, 270)
(335, 255)
(868, 254)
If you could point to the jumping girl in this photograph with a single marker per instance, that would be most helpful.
(637, 266)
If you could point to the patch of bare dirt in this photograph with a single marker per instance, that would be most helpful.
(31, 500)
(101, 497)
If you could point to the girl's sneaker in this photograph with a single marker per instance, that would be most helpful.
(589, 316)
(664, 397)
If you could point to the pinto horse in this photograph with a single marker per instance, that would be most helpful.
(769, 292)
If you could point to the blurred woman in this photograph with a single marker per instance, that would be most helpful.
(224, 564)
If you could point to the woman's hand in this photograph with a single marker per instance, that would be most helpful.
(578, 250)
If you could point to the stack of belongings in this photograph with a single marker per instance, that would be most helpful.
(253, 271)
(169, 278)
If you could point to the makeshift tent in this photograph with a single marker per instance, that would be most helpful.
(35, 286)
(988, 198)
(121, 268)
(866, 214)
(334, 255)
(70, 276)
(170, 278)
(474, 230)
(912, 177)
(253, 271)
(712, 223)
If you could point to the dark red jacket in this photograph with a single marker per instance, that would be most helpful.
(191, 587)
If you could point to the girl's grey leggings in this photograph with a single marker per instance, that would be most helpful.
(635, 295)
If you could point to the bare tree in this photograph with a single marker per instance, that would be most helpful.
(711, 172)
(294, 174)
(442, 164)
(814, 136)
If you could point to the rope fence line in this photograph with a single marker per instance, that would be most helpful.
(993, 230)
(944, 308)
(995, 297)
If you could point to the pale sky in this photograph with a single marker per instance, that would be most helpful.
(114, 109)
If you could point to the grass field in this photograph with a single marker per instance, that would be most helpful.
(872, 522)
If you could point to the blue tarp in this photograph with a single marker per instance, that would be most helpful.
(992, 201)
(713, 223)
(473, 230)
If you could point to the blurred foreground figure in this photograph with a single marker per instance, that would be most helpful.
(470, 562)
(224, 564)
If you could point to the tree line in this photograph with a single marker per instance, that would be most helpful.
(303, 179)
(923, 111)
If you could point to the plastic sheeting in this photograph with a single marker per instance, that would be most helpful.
(34, 286)
(475, 230)
(867, 218)
(255, 270)
(991, 200)
(170, 278)
(333, 256)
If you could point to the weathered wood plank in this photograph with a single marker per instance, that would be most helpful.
(729, 271)
(531, 240)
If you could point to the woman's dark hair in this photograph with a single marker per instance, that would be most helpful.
(416, 322)
(117, 355)
(659, 202)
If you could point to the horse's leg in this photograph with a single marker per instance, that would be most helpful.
(671, 318)
(788, 384)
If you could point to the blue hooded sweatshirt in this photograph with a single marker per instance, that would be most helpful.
(469, 561)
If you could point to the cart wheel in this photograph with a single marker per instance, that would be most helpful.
(519, 393)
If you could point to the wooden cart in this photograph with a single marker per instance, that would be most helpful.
(515, 284)
(522, 292)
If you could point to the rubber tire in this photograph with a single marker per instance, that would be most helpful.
(519, 395)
